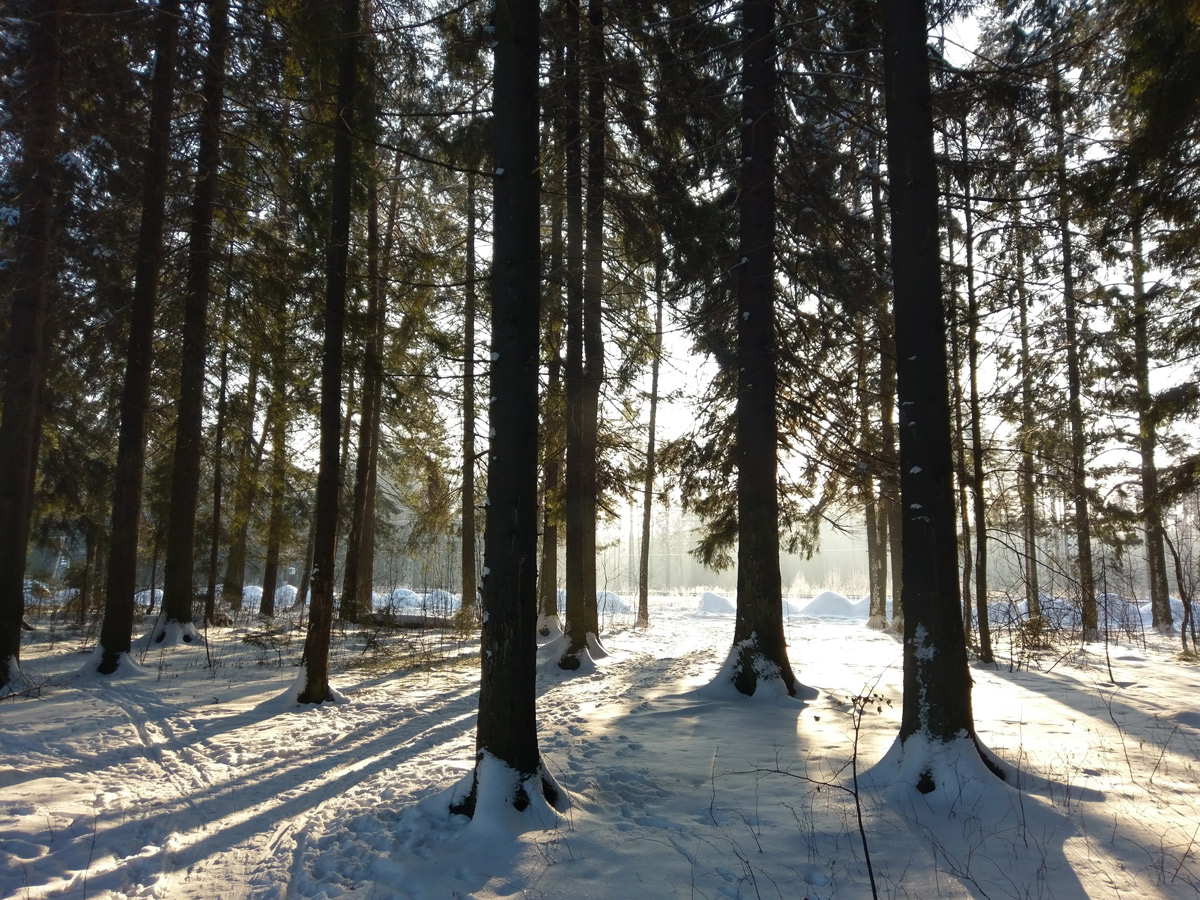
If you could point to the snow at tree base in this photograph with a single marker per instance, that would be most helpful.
(195, 775)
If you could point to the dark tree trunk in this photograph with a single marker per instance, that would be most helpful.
(876, 553)
(378, 280)
(1033, 600)
(593, 302)
(552, 488)
(277, 424)
(889, 482)
(643, 614)
(470, 578)
(214, 547)
(937, 681)
(178, 572)
(553, 423)
(245, 493)
(507, 730)
(33, 277)
(960, 469)
(91, 538)
(356, 591)
(302, 597)
(959, 434)
(116, 629)
(978, 481)
(1079, 497)
(576, 503)
(316, 646)
(1156, 560)
(758, 637)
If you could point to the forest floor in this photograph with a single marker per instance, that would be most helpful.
(197, 777)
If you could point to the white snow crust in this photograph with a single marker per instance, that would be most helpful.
(184, 780)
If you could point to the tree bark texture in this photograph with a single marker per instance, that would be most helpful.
(277, 424)
(329, 474)
(245, 491)
(593, 304)
(507, 728)
(356, 591)
(1156, 559)
(1078, 482)
(978, 476)
(937, 693)
(27, 339)
(470, 577)
(575, 500)
(1033, 597)
(643, 615)
(116, 630)
(758, 627)
(178, 571)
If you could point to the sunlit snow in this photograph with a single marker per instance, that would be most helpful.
(195, 775)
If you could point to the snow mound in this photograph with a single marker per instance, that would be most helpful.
(143, 598)
(831, 603)
(608, 603)
(440, 602)
(715, 603)
(402, 598)
(252, 597)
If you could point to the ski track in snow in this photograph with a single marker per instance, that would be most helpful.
(193, 786)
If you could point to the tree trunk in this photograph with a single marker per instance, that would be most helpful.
(593, 304)
(277, 424)
(245, 491)
(316, 646)
(553, 422)
(889, 482)
(1079, 497)
(643, 615)
(356, 593)
(576, 504)
(302, 597)
(758, 640)
(470, 578)
(978, 482)
(960, 448)
(178, 572)
(214, 548)
(961, 475)
(1033, 597)
(507, 729)
(1156, 560)
(551, 488)
(366, 561)
(116, 630)
(33, 277)
(876, 559)
(937, 682)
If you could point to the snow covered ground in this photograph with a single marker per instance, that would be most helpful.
(197, 779)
